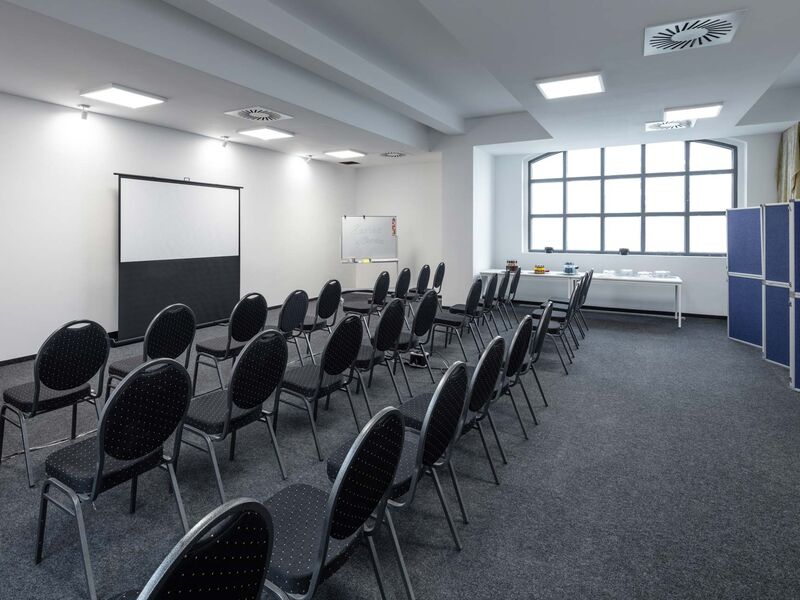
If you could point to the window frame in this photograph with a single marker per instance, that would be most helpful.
(686, 214)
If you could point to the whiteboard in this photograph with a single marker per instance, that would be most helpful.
(163, 220)
(369, 237)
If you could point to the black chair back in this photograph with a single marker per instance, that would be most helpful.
(170, 333)
(438, 277)
(541, 331)
(512, 292)
(381, 289)
(258, 370)
(443, 419)
(248, 317)
(144, 410)
(484, 379)
(70, 357)
(473, 297)
(574, 299)
(426, 313)
(423, 278)
(390, 326)
(225, 556)
(520, 344)
(328, 300)
(343, 345)
(587, 281)
(491, 288)
(293, 311)
(501, 291)
(402, 284)
(365, 478)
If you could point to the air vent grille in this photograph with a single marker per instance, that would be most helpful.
(393, 154)
(691, 33)
(258, 114)
(668, 125)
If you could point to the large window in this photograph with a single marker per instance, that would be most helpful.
(666, 198)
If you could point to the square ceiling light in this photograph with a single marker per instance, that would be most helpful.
(345, 154)
(691, 113)
(122, 96)
(571, 85)
(267, 133)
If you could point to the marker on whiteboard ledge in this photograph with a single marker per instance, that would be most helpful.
(365, 261)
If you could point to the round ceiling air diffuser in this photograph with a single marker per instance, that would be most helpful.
(393, 154)
(691, 33)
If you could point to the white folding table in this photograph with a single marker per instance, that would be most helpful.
(674, 281)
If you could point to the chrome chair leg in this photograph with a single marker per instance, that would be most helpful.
(437, 484)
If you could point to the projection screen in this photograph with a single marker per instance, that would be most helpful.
(178, 242)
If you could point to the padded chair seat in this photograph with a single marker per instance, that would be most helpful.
(365, 354)
(414, 410)
(298, 515)
(216, 347)
(552, 327)
(407, 341)
(121, 368)
(405, 468)
(360, 306)
(209, 411)
(449, 319)
(21, 397)
(76, 466)
(303, 380)
(309, 325)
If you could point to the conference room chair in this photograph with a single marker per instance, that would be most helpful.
(518, 350)
(326, 309)
(537, 345)
(291, 316)
(223, 557)
(485, 379)
(485, 312)
(512, 294)
(558, 328)
(169, 335)
(316, 532)
(382, 348)
(428, 451)
(416, 292)
(401, 288)
(65, 366)
(371, 305)
(143, 412)
(247, 319)
(438, 279)
(311, 383)
(500, 301)
(451, 323)
(563, 312)
(420, 331)
(219, 414)
(561, 305)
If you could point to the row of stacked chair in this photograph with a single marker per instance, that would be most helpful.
(159, 391)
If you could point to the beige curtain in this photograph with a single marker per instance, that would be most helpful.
(789, 165)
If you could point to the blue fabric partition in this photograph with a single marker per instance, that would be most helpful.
(776, 315)
(744, 309)
(744, 241)
(776, 242)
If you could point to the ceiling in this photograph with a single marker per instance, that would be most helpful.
(385, 75)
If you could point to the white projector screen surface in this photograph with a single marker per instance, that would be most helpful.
(369, 237)
(167, 221)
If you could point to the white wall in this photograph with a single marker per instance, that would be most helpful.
(482, 209)
(705, 285)
(58, 213)
(413, 193)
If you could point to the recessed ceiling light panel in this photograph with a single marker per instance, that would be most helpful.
(692, 33)
(122, 96)
(345, 154)
(267, 133)
(571, 85)
(705, 111)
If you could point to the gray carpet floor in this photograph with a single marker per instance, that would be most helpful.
(666, 466)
